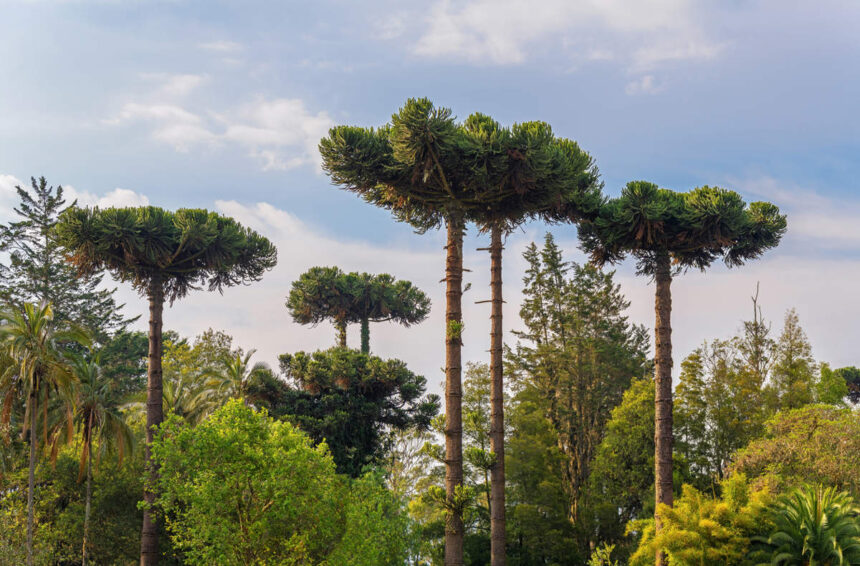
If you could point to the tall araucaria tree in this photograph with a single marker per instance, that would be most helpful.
(528, 174)
(164, 255)
(327, 293)
(669, 232)
(430, 170)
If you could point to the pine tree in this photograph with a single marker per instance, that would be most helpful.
(37, 273)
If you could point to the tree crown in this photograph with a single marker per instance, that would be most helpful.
(427, 168)
(182, 249)
(694, 228)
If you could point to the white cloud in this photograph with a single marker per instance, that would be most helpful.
(642, 34)
(643, 85)
(280, 133)
(115, 198)
(221, 46)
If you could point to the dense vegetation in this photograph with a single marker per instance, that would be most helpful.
(566, 446)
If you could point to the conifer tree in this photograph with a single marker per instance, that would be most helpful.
(669, 232)
(164, 255)
(430, 170)
(327, 293)
(36, 272)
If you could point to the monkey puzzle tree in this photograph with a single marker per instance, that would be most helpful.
(164, 255)
(327, 293)
(529, 174)
(430, 170)
(669, 232)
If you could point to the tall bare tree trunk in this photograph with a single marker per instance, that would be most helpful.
(365, 335)
(89, 493)
(154, 416)
(31, 479)
(454, 394)
(340, 326)
(663, 388)
(497, 406)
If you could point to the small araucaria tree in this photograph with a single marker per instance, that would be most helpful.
(669, 232)
(327, 293)
(430, 170)
(164, 255)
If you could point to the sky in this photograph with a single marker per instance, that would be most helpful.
(221, 105)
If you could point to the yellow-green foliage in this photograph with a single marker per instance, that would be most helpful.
(701, 530)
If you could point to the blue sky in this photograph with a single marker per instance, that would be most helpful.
(221, 104)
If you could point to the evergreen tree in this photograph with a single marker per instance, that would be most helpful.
(668, 232)
(794, 372)
(37, 273)
(579, 352)
(430, 170)
(164, 255)
(327, 293)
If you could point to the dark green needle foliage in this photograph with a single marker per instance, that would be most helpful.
(430, 170)
(668, 232)
(328, 294)
(354, 402)
(164, 255)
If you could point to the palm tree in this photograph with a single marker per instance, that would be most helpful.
(235, 375)
(815, 526)
(430, 171)
(186, 395)
(36, 347)
(164, 255)
(97, 415)
(668, 232)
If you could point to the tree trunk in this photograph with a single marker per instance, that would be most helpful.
(663, 389)
(340, 326)
(31, 479)
(497, 406)
(454, 394)
(365, 336)
(154, 416)
(89, 494)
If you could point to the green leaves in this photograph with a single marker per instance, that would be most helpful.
(181, 249)
(695, 228)
(427, 169)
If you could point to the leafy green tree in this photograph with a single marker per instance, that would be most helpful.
(36, 272)
(164, 255)
(35, 345)
(430, 170)
(123, 361)
(579, 351)
(327, 293)
(831, 388)
(815, 525)
(243, 488)
(668, 232)
(851, 375)
(353, 401)
(701, 529)
(816, 443)
(97, 416)
(794, 371)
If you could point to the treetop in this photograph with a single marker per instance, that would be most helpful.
(427, 168)
(694, 228)
(183, 249)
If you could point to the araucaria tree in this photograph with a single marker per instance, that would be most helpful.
(430, 170)
(327, 293)
(668, 232)
(163, 255)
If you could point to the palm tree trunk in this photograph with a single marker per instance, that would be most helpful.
(31, 479)
(365, 335)
(497, 408)
(340, 326)
(663, 389)
(454, 393)
(89, 495)
(154, 416)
